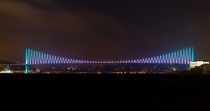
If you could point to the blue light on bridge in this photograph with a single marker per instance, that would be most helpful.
(26, 61)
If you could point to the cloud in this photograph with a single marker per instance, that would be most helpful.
(25, 24)
(78, 31)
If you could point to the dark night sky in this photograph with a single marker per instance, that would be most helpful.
(103, 29)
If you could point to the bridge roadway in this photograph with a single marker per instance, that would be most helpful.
(11, 64)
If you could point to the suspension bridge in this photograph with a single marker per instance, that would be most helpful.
(182, 56)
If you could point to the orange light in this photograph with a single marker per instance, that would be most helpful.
(132, 72)
(142, 72)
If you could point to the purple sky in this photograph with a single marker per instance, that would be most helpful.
(99, 30)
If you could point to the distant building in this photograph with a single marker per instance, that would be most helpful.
(6, 70)
(197, 63)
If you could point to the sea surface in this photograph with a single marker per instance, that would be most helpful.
(160, 91)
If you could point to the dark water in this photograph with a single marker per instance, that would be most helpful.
(162, 92)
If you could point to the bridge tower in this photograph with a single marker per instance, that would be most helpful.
(27, 61)
(192, 54)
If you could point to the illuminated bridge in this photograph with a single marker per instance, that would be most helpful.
(183, 56)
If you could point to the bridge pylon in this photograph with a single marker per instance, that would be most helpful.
(27, 61)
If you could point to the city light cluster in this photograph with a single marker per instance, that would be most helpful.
(184, 56)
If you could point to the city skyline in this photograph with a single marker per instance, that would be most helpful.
(107, 29)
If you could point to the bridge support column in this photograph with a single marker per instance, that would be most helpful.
(27, 61)
(192, 54)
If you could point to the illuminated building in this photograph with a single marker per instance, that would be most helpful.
(197, 64)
